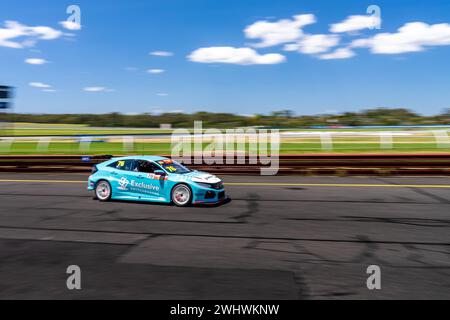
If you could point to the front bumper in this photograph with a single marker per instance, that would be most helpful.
(224, 200)
(208, 195)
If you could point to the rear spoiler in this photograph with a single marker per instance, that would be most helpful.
(96, 158)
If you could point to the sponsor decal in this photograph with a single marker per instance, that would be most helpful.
(141, 187)
(156, 177)
(123, 184)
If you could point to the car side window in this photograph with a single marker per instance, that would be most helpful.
(126, 165)
(145, 166)
(114, 165)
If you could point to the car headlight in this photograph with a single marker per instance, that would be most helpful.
(197, 180)
(217, 186)
(204, 185)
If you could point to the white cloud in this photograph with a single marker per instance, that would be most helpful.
(162, 94)
(313, 44)
(242, 56)
(97, 89)
(40, 85)
(412, 37)
(279, 32)
(70, 35)
(49, 90)
(36, 61)
(355, 23)
(156, 71)
(246, 115)
(45, 33)
(161, 53)
(94, 89)
(70, 25)
(13, 30)
(16, 35)
(156, 110)
(342, 53)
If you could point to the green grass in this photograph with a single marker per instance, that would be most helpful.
(420, 142)
(24, 148)
(81, 131)
(44, 129)
(37, 129)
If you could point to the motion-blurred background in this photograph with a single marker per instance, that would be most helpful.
(359, 95)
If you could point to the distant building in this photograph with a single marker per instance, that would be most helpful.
(165, 126)
(6, 94)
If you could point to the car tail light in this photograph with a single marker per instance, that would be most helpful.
(94, 169)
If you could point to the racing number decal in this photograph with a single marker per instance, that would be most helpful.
(171, 169)
(120, 164)
(168, 165)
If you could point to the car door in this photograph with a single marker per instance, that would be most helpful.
(121, 178)
(144, 183)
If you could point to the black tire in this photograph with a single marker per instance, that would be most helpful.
(103, 191)
(181, 195)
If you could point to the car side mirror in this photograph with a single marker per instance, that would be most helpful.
(160, 173)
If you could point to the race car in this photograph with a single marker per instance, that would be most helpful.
(154, 179)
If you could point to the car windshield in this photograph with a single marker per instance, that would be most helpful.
(173, 166)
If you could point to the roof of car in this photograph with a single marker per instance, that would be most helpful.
(149, 158)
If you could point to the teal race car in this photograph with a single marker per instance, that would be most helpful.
(154, 179)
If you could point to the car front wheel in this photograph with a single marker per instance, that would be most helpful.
(181, 195)
(103, 190)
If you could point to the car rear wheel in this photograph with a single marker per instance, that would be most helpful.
(103, 190)
(181, 195)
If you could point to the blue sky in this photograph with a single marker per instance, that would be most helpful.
(244, 57)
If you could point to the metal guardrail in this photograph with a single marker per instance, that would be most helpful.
(308, 164)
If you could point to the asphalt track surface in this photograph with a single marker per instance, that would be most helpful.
(279, 238)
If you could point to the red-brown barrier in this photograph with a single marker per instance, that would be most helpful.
(306, 164)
